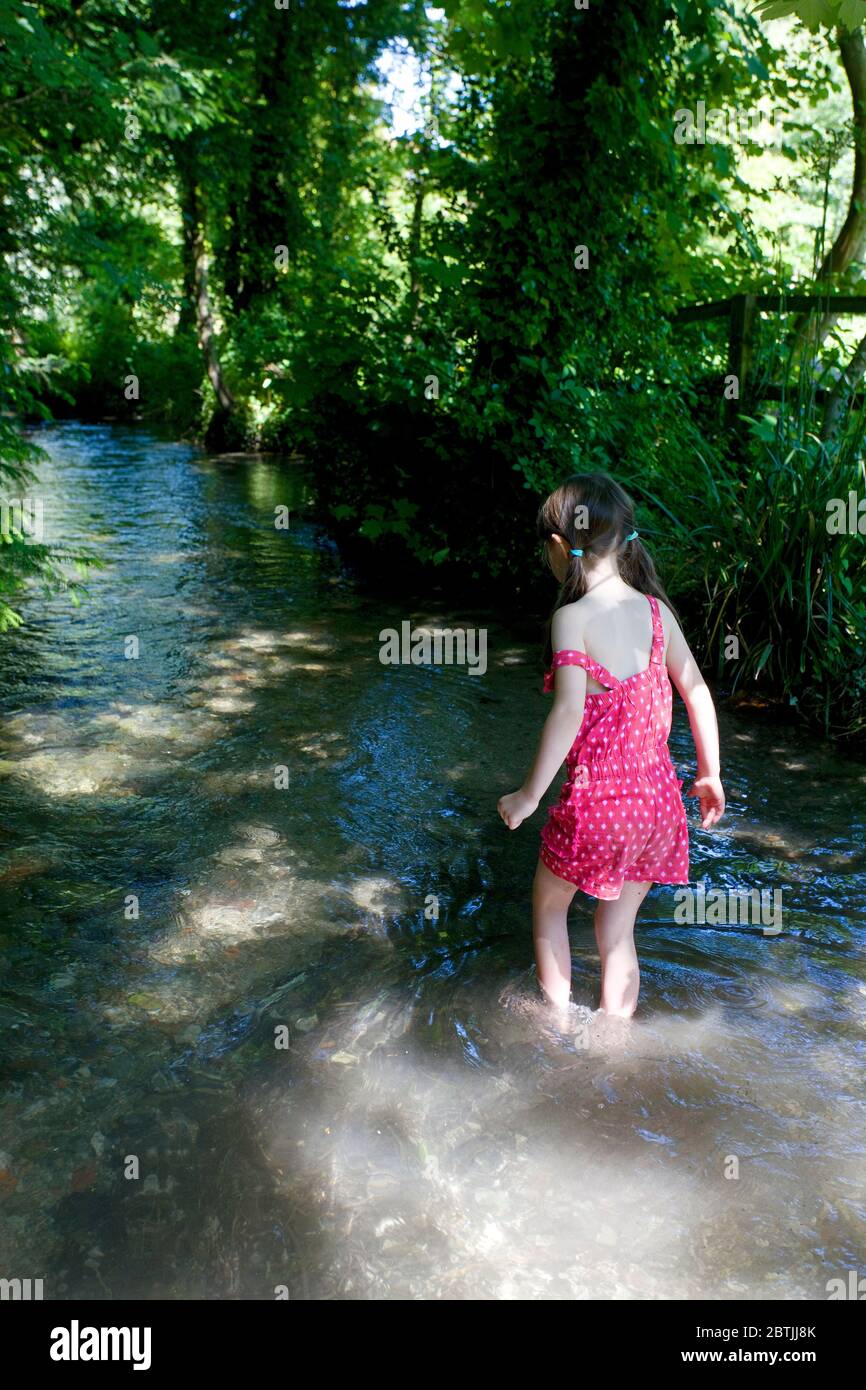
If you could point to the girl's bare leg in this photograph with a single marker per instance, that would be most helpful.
(550, 899)
(614, 934)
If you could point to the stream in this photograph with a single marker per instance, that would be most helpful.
(267, 995)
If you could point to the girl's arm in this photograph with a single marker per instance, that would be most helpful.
(557, 736)
(686, 676)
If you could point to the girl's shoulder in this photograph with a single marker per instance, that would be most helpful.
(670, 625)
(566, 628)
(669, 622)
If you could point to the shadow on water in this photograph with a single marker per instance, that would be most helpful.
(262, 1038)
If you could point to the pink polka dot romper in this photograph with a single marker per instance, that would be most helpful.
(620, 816)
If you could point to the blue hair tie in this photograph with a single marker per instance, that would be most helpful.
(575, 552)
(633, 536)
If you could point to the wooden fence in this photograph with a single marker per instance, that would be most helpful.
(741, 311)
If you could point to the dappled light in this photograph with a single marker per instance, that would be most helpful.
(336, 958)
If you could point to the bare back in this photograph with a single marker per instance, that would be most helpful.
(613, 625)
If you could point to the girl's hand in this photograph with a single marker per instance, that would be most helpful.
(515, 807)
(711, 794)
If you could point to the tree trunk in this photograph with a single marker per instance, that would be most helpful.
(811, 330)
(233, 278)
(271, 213)
(186, 316)
(839, 397)
(204, 324)
(196, 291)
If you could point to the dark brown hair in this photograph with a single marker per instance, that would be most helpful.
(594, 514)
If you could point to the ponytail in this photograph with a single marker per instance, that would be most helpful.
(607, 514)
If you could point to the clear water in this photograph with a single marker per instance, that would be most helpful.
(428, 1132)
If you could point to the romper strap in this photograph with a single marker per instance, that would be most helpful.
(657, 654)
(568, 657)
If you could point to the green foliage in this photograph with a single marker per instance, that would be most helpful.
(424, 335)
(748, 546)
(849, 14)
(25, 560)
(58, 123)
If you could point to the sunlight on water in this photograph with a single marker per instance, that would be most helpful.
(308, 1007)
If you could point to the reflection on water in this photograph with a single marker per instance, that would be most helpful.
(327, 1083)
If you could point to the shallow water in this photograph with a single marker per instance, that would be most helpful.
(428, 1130)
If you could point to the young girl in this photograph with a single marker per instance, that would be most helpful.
(619, 825)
